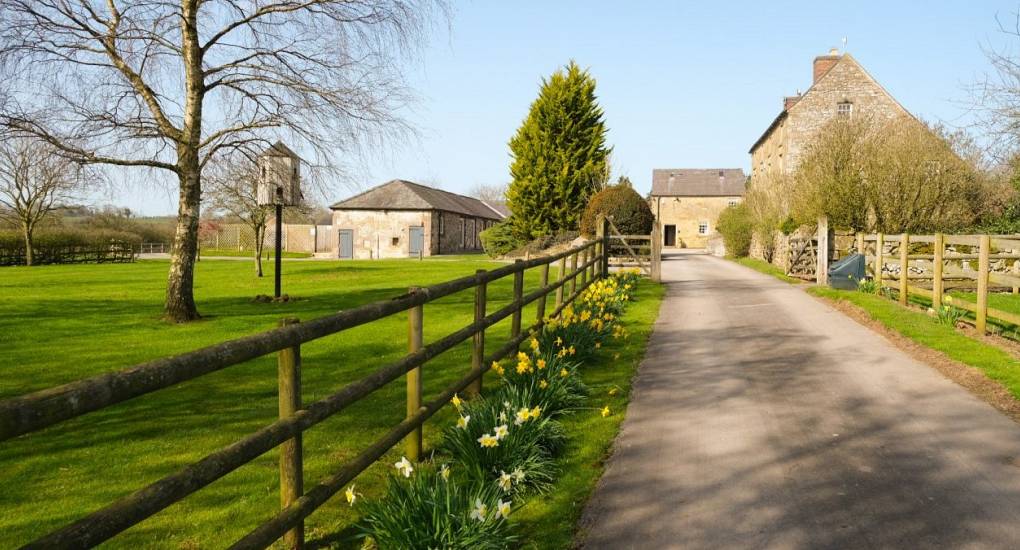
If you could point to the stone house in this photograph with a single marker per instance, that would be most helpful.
(687, 202)
(400, 219)
(840, 87)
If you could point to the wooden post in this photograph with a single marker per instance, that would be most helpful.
(605, 246)
(879, 260)
(478, 340)
(573, 268)
(415, 326)
(822, 254)
(937, 284)
(982, 284)
(584, 270)
(515, 323)
(656, 252)
(291, 478)
(563, 273)
(904, 267)
(860, 244)
(543, 281)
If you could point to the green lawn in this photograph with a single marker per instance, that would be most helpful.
(766, 268)
(915, 324)
(267, 253)
(61, 323)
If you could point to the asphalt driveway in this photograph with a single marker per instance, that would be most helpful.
(762, 418)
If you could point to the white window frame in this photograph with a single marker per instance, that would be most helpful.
(845, 108)
(732, 202)
(703, 228)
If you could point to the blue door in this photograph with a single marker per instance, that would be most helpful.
(346, 243)
(416, 240)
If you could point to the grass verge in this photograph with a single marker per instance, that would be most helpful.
(762, 266)
(917, 326)
(550, 521)
(267, 253)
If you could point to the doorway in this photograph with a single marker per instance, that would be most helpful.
(346, 244)
(669, 239)
(416, 240)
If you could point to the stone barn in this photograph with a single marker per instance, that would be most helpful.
(401, 219)
(687, 202)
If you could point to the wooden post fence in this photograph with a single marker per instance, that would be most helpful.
(981, 315)
(415, 330)
(822, 267)
(937, 284)
(656, 274)
(478, 340)
(904, 267)
(879, 261)
(515, 324)
(291, 477)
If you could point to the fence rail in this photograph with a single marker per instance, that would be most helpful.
(35, 411)
(940, 259)
(641, 251)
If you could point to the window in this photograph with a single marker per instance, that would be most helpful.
(845, 108)
(702, 228)
(463, 233)
(442, 224)
(395, 241)
(732, 202)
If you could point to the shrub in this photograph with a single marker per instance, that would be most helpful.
(499, 239)
(525, 450)
(736, 227)
(630, 212)
(429, 510)
(61, 246)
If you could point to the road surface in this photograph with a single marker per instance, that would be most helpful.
(762, 418)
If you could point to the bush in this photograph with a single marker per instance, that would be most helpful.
(429, 510)
(62, 246)
(630, 212)
(736, 227)
(499, 239)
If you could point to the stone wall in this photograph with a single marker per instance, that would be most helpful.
(382, 233)
(458, 233)
(686, 213)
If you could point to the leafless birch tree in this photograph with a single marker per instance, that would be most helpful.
(233, 189)
(170, 85)
(34, 181)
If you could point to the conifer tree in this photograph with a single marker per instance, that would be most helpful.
(559, 155)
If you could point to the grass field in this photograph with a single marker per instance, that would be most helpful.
(61, 323)
(267, 253)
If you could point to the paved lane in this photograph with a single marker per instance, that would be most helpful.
(761, 418)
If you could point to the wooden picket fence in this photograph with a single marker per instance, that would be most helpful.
(38, 410)
(925, 265)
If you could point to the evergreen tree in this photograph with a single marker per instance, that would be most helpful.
(559, 154)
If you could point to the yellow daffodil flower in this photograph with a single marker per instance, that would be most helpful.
(503, 507)
(456, 401)
(488, 441)
(480, 511)
(543, 384)
(540, 364)
(504, 481)
(404, 467)
(351, 495)
(501, 431)
(605, 411)
(564, 373)
(462, 422)
(444, 472)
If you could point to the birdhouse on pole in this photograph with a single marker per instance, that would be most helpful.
(279, 176)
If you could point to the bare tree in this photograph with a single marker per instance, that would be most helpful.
(34, 181)
(233, 188)
(170, 85)
(490, 193)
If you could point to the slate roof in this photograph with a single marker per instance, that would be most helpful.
(500, 207)
(407, 195)
(698, 182)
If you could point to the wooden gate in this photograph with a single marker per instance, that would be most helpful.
(641, 251)
(803, 258)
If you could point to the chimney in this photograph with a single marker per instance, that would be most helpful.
(789, 101)
(722, 177)
(825, 62)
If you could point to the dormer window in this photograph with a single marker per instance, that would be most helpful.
(845, 109)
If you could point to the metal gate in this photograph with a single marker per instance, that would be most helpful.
(416, 240)
(346, 243)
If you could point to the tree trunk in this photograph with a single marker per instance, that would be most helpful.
(29, 250)
(260, 234)
(180, 297)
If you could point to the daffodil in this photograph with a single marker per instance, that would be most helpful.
(462, 422)
(480, 511)
(456, 401)
(605, 411)
(502, 416)
(404, 466)
(501, 431)
(540, 364)
(351, 495)
(534, 344)
(488, 441)
(572, 350)
(598, 345)
(522, 416)
(518, 475)
(564, 373)
(543, 384)
(536, 412)
(503, 507)
(504, 481)
(559, 341)
(613, 391)
(444, 472)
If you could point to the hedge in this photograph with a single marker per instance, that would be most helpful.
(66, 247)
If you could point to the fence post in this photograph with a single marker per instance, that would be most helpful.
(904, 267)
(860, 244)
(605, 246)
(291, 477)
(559, 290)
(937, 284)
(478, 340)
(879, 260)
(656, 252)
(600, 237)
(1016, 272)
(573, 268)
(982, 284)
(584, 269)
(415, 325)
(822, 254)
(543, 280)
(515, 326)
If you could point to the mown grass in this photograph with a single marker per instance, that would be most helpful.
(267, 253)
(766, 268)
(61, 323)
(916, 325)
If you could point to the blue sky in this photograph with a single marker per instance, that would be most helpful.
(683, 84)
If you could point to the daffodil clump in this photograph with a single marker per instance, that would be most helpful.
(433, 509)
(550, 381)
(948, 314)
(506, 434)
(580, 331)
